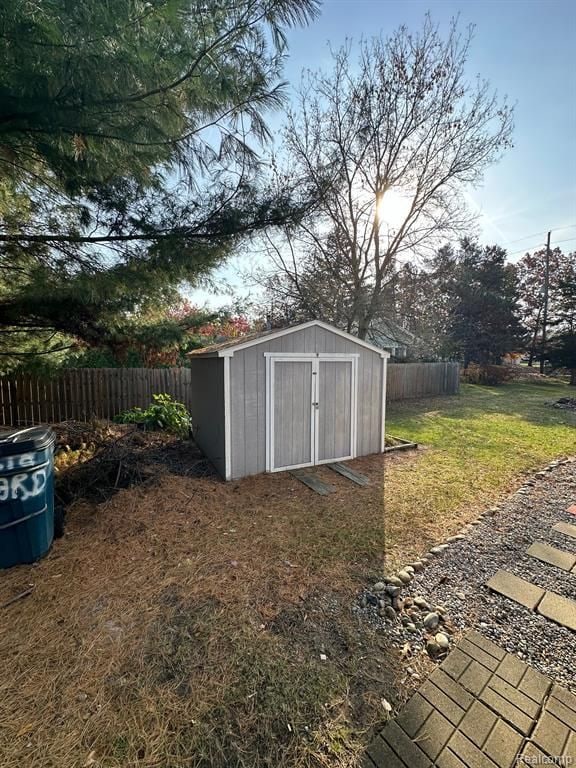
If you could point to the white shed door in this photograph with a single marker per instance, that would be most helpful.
(334, 411)
(311, 410)
(292, 412)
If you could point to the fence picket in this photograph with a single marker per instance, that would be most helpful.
(101, 393)
(412, 380)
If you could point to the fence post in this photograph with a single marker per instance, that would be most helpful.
(12, 389)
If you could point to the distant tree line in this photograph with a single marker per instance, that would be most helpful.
(470, 304)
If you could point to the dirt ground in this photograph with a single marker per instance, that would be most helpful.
(186, 622)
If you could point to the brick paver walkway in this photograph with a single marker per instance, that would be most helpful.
(482, 708)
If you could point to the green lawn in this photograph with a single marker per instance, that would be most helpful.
(477, 445)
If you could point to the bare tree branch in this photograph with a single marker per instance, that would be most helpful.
(387, 148)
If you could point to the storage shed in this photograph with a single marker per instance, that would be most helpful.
(305, 395)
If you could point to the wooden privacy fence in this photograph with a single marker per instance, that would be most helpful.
(101, 393)
(408, 380)
(86, 393)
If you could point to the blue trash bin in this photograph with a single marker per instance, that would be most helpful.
(26, 495)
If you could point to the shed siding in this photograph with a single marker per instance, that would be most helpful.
(248, 394)
(207, 391)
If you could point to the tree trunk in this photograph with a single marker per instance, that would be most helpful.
(573, 377)
(365, 317)
(534, 341)
(363, 328)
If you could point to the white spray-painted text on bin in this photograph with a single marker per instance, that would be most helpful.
(18, 462)
(23, 486)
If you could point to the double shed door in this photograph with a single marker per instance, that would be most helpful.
(311, 409)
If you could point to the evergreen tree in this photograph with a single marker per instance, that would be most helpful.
(483, 322)
(562, 353)
(531, 270)
(562, 346)
(129, 133)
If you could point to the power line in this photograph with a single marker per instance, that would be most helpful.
(568, 240)
(537, 234)
(541, 245)
(528, 237)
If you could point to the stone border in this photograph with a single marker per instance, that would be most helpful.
(416, 614)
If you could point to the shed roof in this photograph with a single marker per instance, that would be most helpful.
(228, 348)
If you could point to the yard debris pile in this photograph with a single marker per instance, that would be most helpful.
(94, 461)
(565, 403)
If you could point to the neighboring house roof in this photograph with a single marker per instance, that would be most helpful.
(227, 348)
(388, 334)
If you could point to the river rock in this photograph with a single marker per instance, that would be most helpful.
(442, 640)
(390, 613)
(431, 621)
(372, 599)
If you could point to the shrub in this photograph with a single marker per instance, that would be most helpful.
(489, 375)
(162, 413)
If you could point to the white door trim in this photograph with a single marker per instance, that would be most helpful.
(383, 424)
(227, 421)
(315, 358)
(319, 355)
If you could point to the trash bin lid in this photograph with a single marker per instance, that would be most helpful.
(23, 440)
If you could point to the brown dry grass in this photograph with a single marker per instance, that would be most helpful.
(181, 625)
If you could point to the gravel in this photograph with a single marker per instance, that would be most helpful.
(454, 581)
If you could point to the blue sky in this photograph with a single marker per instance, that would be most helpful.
(525, 48)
